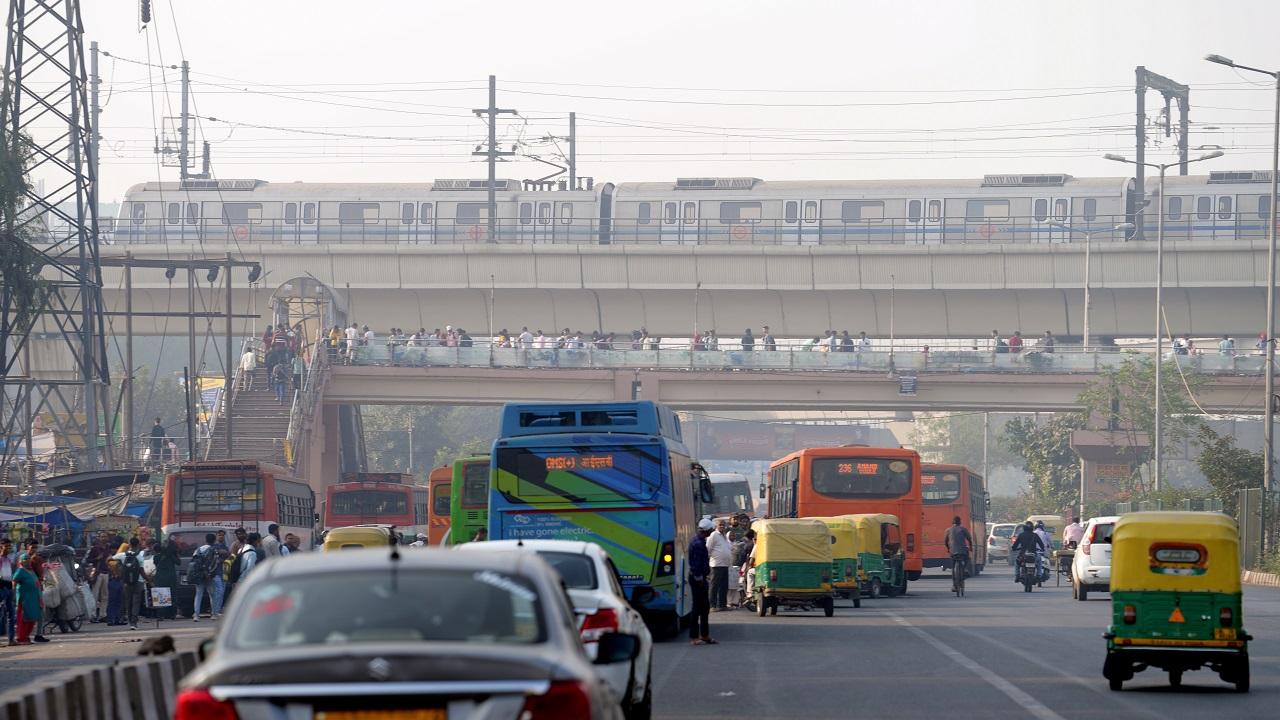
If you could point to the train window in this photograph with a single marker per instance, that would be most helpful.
(1040, 209)
(1060, 209)
(1204, 208)
(986, 210)
(358, 213)
(193, 213)
(526, 213)
(407, 213)
(669, 213)
(810, 211)
(935, 210)
(1090, 209)
(309, 213)
(643, 211)
(690, 212)
(1264, 207)
(862, 211)
(426, 213)
(138, 213)
(913, 211)
(1224, 207)
(732, 213)
(791, 211)
(291, 213)
(174, 216)
(472, 213)
(544, 213)
(242, 213)
(566, 213)
(1174, 211)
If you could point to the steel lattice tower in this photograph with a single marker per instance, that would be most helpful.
(45, 117)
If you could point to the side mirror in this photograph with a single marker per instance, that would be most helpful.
(204, 650)
(763, 490)
(706, 491)
(616, 648)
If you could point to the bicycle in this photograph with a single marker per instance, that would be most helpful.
(959, 568)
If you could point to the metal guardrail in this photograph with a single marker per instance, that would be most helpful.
(790, 359)
(304, 401)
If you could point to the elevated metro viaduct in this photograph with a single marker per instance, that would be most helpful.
(709, 391)
(921, 291)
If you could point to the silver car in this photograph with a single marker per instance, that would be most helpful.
(415, 634)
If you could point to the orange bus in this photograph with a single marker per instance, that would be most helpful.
(950, 491)
(821, 482)
(440, 484)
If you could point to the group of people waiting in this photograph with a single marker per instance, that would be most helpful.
(720, 551)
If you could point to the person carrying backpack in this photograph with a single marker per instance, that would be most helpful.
(205, 572)
(135, 582)
(245, 559)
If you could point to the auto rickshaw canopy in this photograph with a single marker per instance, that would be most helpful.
(867, 530)
(1178, 551)
(358, 536)
(792, 540)
(843, 535)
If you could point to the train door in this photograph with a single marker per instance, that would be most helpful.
(544, 227)
(426, 222)
(1060, 213)
(1224, 217)
(300, 223)
(810, 223)
(408, 222)
(669, 229)
(923, 221)
(1178, 212)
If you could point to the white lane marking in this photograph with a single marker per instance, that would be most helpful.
(1033, 706)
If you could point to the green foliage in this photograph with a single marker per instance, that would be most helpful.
(1271, 563)
(441, 434)
(1228, 468)
(1045, 449)
(1132, 383)
(957, 438)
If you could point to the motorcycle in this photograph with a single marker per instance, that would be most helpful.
(1031, 570)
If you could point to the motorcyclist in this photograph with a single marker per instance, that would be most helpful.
(1043, 533)
(959, 542)
(1027, 541)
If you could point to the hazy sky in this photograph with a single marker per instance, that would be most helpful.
(776, 90)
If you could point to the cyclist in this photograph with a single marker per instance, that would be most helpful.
(959, 542)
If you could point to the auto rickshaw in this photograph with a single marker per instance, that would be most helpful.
(881, 558)
(1053, 525)
(844, 558)
(359, 536)
(793, 565)
(1175, 597)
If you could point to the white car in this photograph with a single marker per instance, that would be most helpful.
(999, 537)
(1091, 568)
(596, 591)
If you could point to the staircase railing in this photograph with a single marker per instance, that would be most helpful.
(304, 401)
(228, 399)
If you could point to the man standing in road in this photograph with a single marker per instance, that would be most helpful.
(97, 560)
(204, 567)
(271, 543)
(134, 580)
(721, 552)
(8, 608)
(699, 568)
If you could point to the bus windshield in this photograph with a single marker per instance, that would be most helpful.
(732, 497)
(940, 487)
(219, 495)
(580, 473)
(860, 477)
(475, 484)
(370, 502)
(440, 500)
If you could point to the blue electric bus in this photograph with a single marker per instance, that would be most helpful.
(617, 474)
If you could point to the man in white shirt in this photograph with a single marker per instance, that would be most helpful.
(1073, 533)
(721, 552)
(526, 339)
(353, 337)
(271, 541)
(248, 362)
(864, 342)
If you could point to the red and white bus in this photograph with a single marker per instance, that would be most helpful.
(377, 499)
(207, 496)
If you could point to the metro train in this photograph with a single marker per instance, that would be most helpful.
(1018, 208)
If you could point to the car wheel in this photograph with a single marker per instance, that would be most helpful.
(643, 710)
(1082, 594)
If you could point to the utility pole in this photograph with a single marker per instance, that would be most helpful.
(573, 151)
(492, 153)
(95, 110)
(1147, 80)
(128, 358)
(193, 372)
(183, 127)
(228, 367)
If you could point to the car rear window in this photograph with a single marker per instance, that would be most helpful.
(578, 571)
(474, 606)
(1102, 533)
(1002, 531)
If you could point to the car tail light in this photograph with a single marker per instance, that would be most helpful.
(911, 542)
(1130, 615)
(773, 575)
(564, 699)
(1084, 547)
(198, 704)
(667, 559)
(1225, 616)
(604, 620)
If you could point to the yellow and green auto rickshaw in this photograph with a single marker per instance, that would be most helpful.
(881, 559)
(359, 536)
(793, 565)
(844, 558)
(1175, 598)
(1053, 525)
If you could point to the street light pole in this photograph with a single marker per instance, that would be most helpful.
(1157, 443)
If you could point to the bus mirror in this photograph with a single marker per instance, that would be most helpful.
(762, 491)
(707, 490)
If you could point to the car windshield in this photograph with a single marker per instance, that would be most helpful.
(578, 571)
(473, 606)
(1002, 531)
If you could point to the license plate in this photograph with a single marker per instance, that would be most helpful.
(433, 714)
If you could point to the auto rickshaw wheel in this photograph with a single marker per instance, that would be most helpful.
(828, 606)
(762, 605)
(875, 588)
(1241, 675)
(773, 607)
(857, 599)
(1175, 678)
(1114, 684)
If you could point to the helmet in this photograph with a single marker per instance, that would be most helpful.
(1039, 524)
(1028, 525)
(421, 536)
